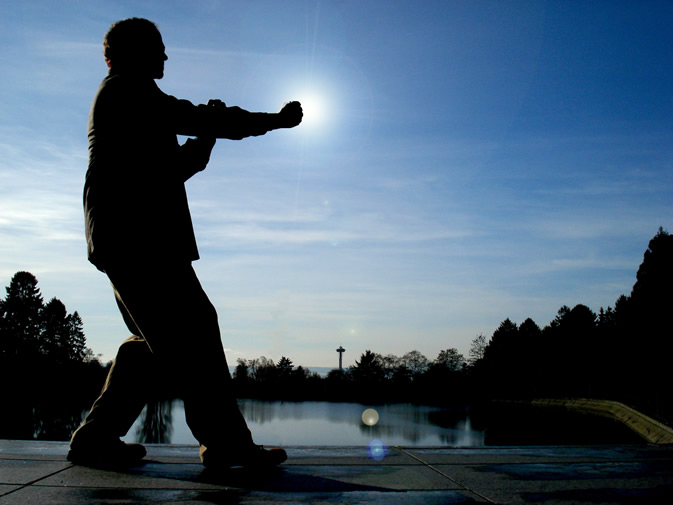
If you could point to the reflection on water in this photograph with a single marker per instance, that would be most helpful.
(342, 424)
(155, 424)
(321, 423)
(45, 420)
(52, 423)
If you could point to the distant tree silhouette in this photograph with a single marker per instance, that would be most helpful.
(645, 318)
(391, 365)
(500, 358)
(477, 349)
(241, 372)
(21, 318)
(571, 339)
(29, 328)
(369, 370)
(449, 359)
(284, 366)
(530, 362)
(55, 338)
(262, 369)
(621, 353)
(78, 351)
(416, 363)
(654, 281)
(47, 374)
(444, 379)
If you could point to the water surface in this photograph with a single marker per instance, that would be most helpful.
(322, 423)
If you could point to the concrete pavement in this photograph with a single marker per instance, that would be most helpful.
(34, 472)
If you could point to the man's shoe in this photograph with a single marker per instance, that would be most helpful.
(254, 456)
(115, 454)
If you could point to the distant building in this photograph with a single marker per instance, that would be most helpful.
(341, 351)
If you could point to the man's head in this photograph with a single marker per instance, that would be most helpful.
(135, 46)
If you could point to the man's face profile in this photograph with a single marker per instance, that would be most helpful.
(135, 46)
(149, 56)
(156, 56)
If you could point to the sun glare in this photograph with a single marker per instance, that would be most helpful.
(315, 109)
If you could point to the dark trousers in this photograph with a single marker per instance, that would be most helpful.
(176, 345)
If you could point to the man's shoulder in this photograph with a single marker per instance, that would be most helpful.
(127, 88)
(124, 81)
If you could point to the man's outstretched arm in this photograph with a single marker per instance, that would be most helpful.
(237, 123)
(219, 121)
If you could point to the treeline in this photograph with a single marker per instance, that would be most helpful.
(373, 378)
(29, 328)
(621, 353)
(48, 376)
(47, 373)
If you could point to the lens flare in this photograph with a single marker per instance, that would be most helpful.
(377, 450)
(370, 417)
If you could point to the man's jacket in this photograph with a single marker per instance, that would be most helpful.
(135, 203)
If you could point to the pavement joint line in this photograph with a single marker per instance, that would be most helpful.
(428, 465)
(33, 482)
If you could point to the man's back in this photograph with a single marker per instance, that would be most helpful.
(134, 196)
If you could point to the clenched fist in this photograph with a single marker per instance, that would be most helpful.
(290, 114)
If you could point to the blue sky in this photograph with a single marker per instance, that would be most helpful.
(461, 162)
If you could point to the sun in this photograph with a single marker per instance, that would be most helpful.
(317, 99)
(315, 109)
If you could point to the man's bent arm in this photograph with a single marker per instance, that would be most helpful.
(194, 156)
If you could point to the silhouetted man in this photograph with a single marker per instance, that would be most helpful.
(139, 232)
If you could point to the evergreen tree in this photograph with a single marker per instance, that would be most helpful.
(55, 334)
(21, 318)
(76, 339)
(571, 340)
(530, 359)
(29, 328)
(645, 315)
(284, 366)
(369, 369)
(500, 360)
(653, 290)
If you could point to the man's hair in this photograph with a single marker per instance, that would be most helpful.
(124, 37)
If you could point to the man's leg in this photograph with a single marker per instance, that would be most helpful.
(125, 393)
(176, 318)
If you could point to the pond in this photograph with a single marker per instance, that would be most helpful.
(352, 424)
(341, 424)
(322, 423)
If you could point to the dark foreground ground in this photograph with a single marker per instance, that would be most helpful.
(33, 472)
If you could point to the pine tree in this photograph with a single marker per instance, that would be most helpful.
(21, 317)
(76, 339)
(54, 338)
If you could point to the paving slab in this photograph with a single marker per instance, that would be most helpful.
(525, 484)
(18, 471)
(347, 456)
(578, 475)
(538, 454)
(65, 496)
(5, 488)
(37, 472)
(33, 449)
